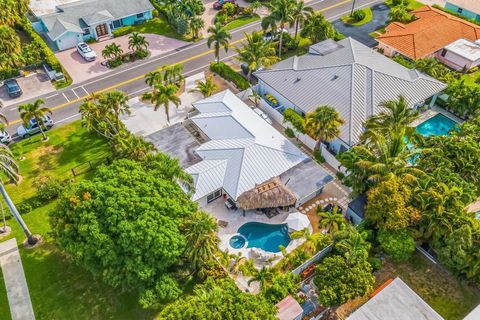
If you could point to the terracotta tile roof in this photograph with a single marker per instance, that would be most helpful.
(433, 30)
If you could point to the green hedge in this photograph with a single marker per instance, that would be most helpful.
(229, 74)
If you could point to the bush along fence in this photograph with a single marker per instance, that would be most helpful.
(319, 255)
(229, 74)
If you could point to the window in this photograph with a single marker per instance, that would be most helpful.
(117, 23)
(459, 10)
(215, 195)
(140, 15)
(86, 31)
(443, 53)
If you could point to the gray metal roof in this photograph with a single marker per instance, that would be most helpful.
(353, 79)
(76, 16)
(358, 204)
(396, 301)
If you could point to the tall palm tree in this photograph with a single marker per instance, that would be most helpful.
(173, 74)
(163, 96)
(154, 77)
(352, 244)
(99, 118)
(219, 38)
(35, 111)
(281, 11)
(331, 221)
(323, 124)
(112, 52)
(263, 276)
(10, 47)
(200, 230)
(196, 24)
(256, 52)
(9, 169)
(396, 115)
(137, 42)
(132, 147)
(317, 28)
(116, 101)
(300, 14)
(206, 88)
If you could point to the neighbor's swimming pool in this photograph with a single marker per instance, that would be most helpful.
(264, 236)
(438, 125)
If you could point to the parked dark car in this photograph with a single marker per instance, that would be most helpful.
(217, 5)
(13, 89)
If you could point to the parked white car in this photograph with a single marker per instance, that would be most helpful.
(262, 115)
(5, 137)
(86, 52)
(33, 127)
(270, 36)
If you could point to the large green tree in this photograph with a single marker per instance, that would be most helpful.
(29, 111)
(10, 47)
(125, 225)
(281, 14)
(317, 28)
(163, 95)
(218, 37)
(323, 124)
(219, 300)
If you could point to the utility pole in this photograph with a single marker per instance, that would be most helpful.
(353, 8)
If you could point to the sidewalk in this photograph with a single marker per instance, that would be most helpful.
(15, 282)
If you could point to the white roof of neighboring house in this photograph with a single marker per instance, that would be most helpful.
(396, 301)
(289, 309)
(352, 78)
(474, 314)
(243, 150)
(41, 7)
(470, 5)
(466, 49)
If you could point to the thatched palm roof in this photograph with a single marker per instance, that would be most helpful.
(270, 194)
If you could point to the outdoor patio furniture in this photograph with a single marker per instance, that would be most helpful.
(222, 223)
(230, 204)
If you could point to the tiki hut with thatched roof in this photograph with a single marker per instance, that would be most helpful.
(270, 194)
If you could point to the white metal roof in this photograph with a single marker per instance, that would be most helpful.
(353, 79)
(396, 301)
(465, 48)
(243, 150)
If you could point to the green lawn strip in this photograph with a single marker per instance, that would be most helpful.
(240, 22)
(451, 297)
(368, 17)
(377, 32)
(157, 25)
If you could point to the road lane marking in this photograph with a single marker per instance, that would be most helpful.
(63, 105)
(53, 95)
(84, 89)
(76, 95)
(68, 118)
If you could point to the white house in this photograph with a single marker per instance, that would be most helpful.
(461, 55)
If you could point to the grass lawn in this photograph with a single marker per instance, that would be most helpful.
(471, 77)
(240, 22)
(452, 298)
(368, 17)
(58, 288)
(377, 32)
(156, 26)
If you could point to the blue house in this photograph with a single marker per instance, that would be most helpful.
(467, 8)
(82, 20)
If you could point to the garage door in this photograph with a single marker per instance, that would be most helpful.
(67, 41)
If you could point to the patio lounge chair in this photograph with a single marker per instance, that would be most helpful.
(223, 223)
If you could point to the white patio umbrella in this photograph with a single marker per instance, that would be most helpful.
(297, 221)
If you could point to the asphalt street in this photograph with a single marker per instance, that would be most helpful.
(129, 78)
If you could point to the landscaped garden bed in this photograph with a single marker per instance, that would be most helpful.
(359, 17)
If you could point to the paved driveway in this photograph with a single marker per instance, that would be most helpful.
(81, 70)
(33, 85)
(361, 33)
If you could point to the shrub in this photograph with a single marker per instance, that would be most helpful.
(289, 132)
(400, 2)
(318, 157)
(229, 9)
(141, 54)
(221, 18)
(340, 175)
(114, 62)
(297, 121)
(398, 245)
(358, 15)
(122, 31)
(282, 286)
(48, 188)
(229, 74)
(376, 263)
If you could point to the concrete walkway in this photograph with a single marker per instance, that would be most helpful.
(15, 282)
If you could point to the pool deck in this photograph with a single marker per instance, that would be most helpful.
(432, 112)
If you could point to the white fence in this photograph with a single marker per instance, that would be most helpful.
(331, 160)
(320, 254)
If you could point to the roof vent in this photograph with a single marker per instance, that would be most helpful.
(335, 77)
(297, 80)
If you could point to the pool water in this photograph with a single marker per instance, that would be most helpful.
(439, 125)
(237, 242)
(265, 236)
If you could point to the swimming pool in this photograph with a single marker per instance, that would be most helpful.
(438, 125)
(264, 236)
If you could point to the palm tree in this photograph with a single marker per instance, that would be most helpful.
(281, 11)
(200, 230)
(131, 147)
(163, 96)
(153, 77)
(396, 115)
(256, 52)
(323, 124)
(254, 6)
(10, 47)
(263, 276)
(219, 38)
(9, 169)
(317, 28)
(255, 96)
(206, 88)
(35, 111)
(137, 42)
(352, 244)
(112, 52)
(173, 74)
(196, 24)
(99, 118)
(116, 101)
(331, 221)
(300, 14)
